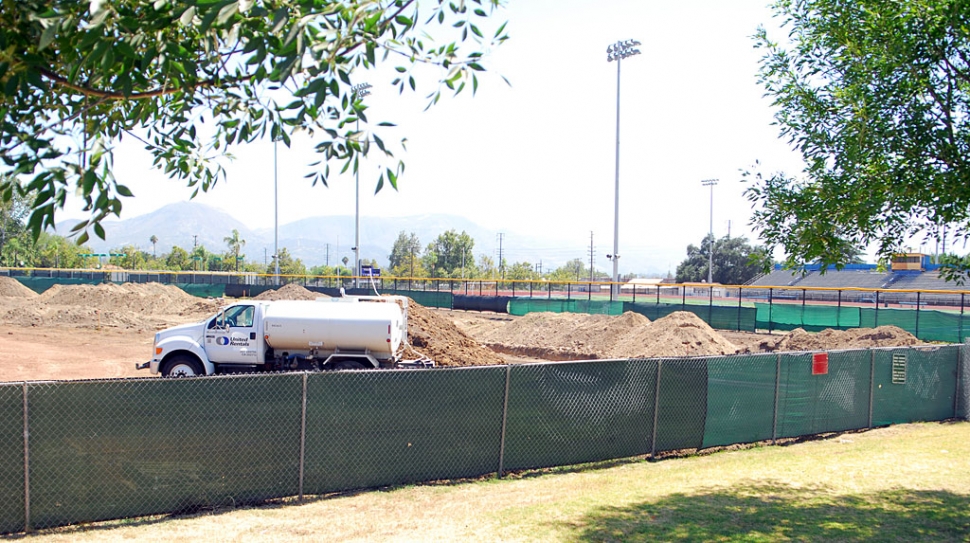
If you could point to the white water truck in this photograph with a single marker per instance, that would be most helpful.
(353, 332)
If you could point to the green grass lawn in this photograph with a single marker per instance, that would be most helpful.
(903, 483)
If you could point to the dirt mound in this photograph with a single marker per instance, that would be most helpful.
(137, 306)
(12, 288)
(142, 298)
(856, 338)
(291, 291)
(681, 333)
(436, 337)
(45, 315)
(563, 336)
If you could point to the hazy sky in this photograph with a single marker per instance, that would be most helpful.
(537, 157)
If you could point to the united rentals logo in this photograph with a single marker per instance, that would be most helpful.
(224, 340)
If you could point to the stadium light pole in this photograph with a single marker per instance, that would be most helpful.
(276, 215)
(360, 91)
(618, 51)
(710, 252)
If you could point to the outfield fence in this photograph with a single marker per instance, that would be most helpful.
(929, 315)
(78, 451)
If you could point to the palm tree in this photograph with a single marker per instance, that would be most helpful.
(234, 243)
(154, 240)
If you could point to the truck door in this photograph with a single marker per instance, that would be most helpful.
(230, 337)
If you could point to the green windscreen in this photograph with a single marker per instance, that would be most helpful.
(572, 412)
(833, 401)
(683, 404)
(812, 318)
(114, 449)
(374, 428)
(524, 306)
(914, 384)
(12, 512)
(740, 399)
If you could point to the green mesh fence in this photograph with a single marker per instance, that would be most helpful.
(427, 298)
(41, 284)
(812, 318)
(203, 290)
(682, 405)
(372, 428)
(572, 412)
(914, 385)
(524, 306)
(831, 402)
(113, 449)
(740, 399)
(125, 448)
(12, 458)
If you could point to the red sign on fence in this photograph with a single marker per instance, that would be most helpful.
(820, 364)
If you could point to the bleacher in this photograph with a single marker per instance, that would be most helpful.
(788, 284)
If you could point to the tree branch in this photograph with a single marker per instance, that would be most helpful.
(88, 91)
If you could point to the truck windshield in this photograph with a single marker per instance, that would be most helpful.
(237, 316)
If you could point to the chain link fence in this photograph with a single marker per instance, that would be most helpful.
(92, 450)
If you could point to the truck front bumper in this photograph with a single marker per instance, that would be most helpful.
(150, 365)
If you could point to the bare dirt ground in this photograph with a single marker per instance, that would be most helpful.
(102, 331)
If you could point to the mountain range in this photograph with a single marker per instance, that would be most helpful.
(321, 240)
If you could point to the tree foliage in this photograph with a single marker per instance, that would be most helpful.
(405, 247)
(875, 94)
(450, 251)
(735, 261)
(189, 79)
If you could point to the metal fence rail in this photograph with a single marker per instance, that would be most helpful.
(91, 450)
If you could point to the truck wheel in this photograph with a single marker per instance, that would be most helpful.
(344, 365)
(182, 366)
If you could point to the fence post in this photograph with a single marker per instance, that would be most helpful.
(769, 310)
(872, 381)
(26, 466)
(656, 409)
(710, 306)
(960, 333)
(303, 437)
(774, 417)
(876, 324)
(961, 353)
(505, 414)
(740, 290)
(917, 315)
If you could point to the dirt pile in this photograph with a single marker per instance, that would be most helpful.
(12, 288)
(437, 337)
(562, 336)
(681, 333)
(291, 291)
(143, 298)
(136, 306)
(856, 338)
(571, 336)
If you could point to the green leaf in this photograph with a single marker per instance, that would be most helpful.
(47, 36)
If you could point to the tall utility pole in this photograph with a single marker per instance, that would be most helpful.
(710, 251)
(360, 91)
(328, 256)
(618, 51)
(591, 253)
